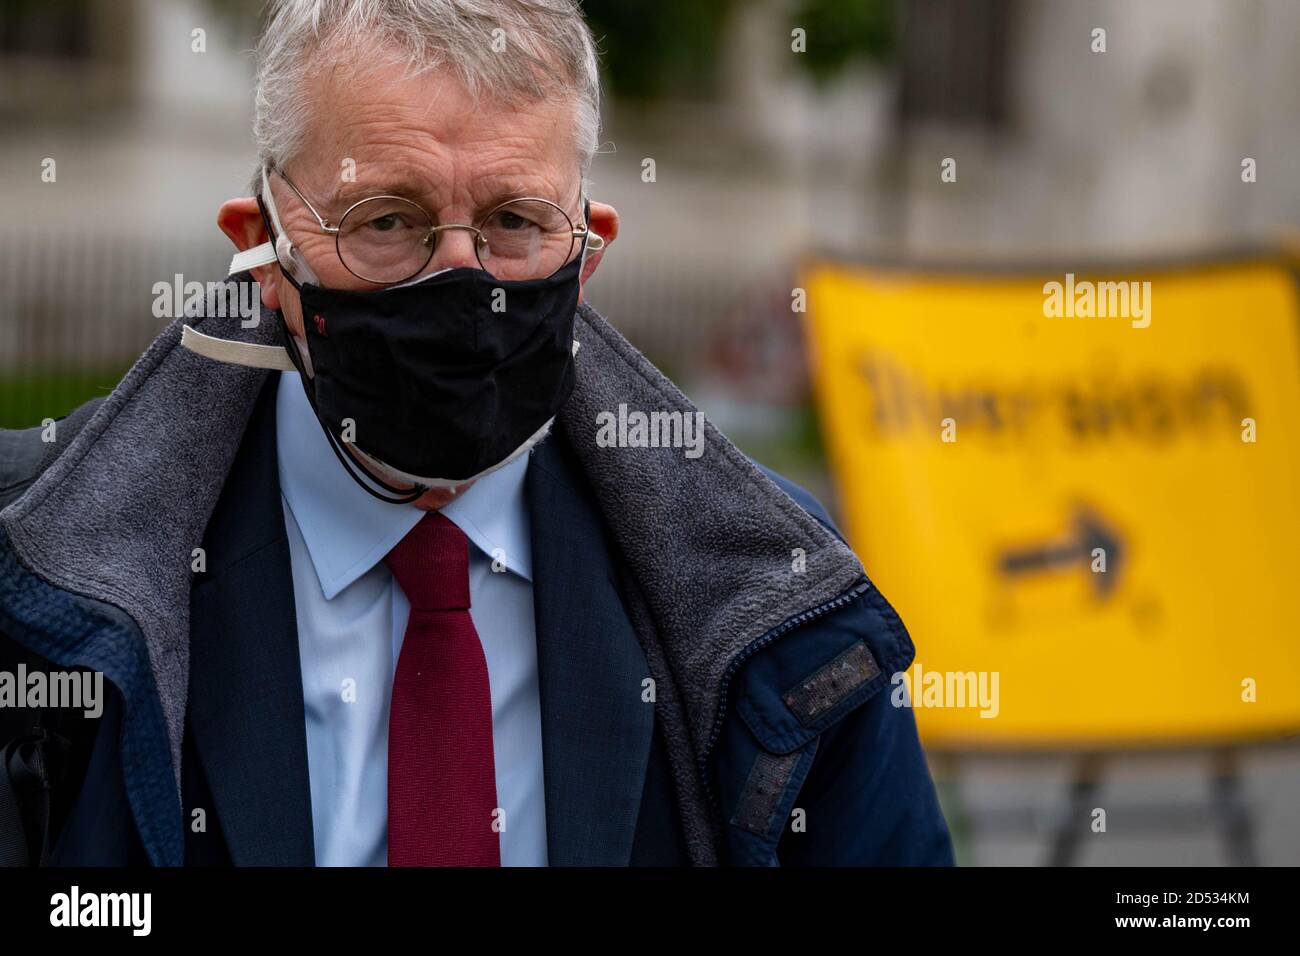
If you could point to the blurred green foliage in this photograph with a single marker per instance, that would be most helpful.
(29, 398)
(650, 48)
(841, 31)
(239, 16)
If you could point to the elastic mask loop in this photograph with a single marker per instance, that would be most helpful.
(398, 496)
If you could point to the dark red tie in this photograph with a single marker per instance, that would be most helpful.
(442, 790)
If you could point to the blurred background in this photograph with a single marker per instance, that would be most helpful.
(762, 155)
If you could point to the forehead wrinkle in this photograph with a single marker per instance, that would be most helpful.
(491, 191)
(346, 194)
(392, 162)
(445, 150)
(411, 180)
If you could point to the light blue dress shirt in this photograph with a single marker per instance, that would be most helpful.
(351, 621)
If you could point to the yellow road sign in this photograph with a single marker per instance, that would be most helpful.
(1079, 489)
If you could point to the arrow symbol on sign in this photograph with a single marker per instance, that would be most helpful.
(1079, 549)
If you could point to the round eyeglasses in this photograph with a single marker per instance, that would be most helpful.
(389, 239)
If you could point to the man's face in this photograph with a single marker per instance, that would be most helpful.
(371, 131)
(375, 131)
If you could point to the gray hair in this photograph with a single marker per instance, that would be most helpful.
(548, 51)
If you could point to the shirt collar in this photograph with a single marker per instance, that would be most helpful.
(348, 531)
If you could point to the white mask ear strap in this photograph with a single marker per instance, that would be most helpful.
(262, 255)
(236, 353)
(281, 251)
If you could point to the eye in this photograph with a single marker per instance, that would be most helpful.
(510, 220)
(386, 223)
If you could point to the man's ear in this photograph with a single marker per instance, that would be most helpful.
(604, 223)
(241, 221)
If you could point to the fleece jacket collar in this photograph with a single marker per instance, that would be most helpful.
(707, 541)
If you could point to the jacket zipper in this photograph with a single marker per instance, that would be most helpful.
(859, 588)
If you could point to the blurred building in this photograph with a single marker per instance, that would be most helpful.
(1059, 151)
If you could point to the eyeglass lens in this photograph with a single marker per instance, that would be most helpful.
(387, 239)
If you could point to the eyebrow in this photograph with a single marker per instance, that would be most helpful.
(349, 193)
(500, 192)
(419, 190)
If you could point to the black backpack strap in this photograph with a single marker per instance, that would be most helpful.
(24, 801)
(14, 837)
(28, 764)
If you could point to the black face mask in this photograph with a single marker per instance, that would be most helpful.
(442, 380)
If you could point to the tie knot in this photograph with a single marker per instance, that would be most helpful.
(431, 564)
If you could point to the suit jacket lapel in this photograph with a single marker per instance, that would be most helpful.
(596, 730)
(246, 702)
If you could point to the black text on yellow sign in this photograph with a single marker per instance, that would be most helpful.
(1099, 506)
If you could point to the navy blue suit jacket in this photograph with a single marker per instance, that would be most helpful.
(857, 773)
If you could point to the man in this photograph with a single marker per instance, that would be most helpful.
(364, 580)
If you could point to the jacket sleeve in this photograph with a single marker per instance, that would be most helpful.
(868, 798)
